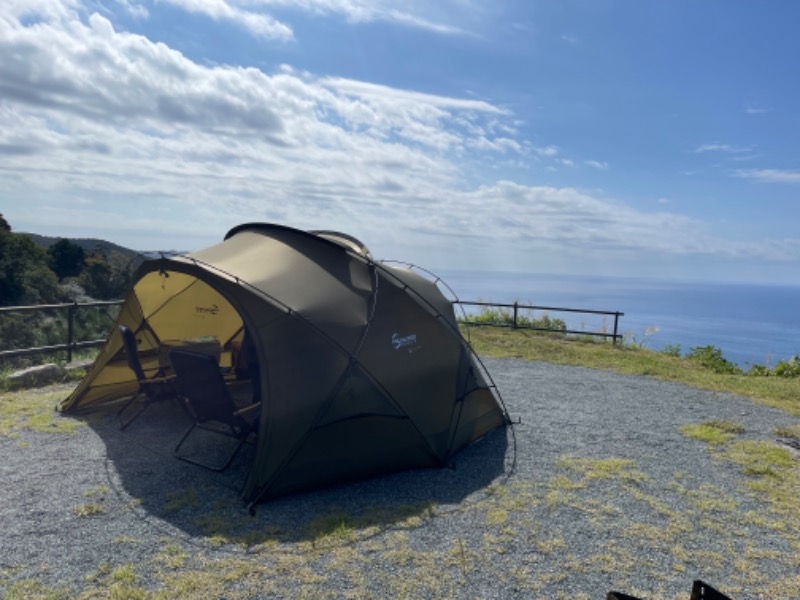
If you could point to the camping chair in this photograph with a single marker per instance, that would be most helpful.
(202, 387)
(151, 389)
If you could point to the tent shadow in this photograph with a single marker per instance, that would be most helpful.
(206, 505)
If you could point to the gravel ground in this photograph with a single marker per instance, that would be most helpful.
(594, 489)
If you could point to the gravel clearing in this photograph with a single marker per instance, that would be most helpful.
(596, 488)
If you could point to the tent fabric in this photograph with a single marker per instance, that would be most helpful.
(361, 365)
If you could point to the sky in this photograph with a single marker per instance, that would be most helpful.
(637, 138)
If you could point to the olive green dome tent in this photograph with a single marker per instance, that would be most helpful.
(361, 364)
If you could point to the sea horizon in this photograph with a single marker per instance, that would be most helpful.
(752, 323)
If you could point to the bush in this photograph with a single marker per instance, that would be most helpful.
(788, 368)
(711, 358)
(785, 368)
(758, 371)
(671, 350)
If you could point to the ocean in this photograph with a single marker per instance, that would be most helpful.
(750, 323)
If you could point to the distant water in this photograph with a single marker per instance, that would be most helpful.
(750, 323)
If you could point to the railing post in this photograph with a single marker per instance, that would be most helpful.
(515, 313)
(70, 321)
(616, 325)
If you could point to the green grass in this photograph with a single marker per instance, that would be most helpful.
(33, 410)
(89, 509)
(713, 432)
(779, 392)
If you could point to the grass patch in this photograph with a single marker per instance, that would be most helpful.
(89, 509)
(32, 410)
(336, 526)
(761, 459)
(713, 432)
(620, 469)
(792, 433)
(180, 499)
(98, 491)
(172, 556)
(30, 589)
(340, 526)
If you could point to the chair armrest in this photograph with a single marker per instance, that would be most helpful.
(247, 409)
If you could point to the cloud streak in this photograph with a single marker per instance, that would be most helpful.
(770, 175)
(255, 15)
(717, 147)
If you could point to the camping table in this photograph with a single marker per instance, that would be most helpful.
(210, 347)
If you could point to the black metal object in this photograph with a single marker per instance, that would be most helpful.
(515, 322)
(700, 591)
(703, 591)
(70, 346)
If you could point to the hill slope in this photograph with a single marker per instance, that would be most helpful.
(88, 244)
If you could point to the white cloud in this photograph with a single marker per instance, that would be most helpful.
(258, 24)
(754, 110)
(137, 11)
(253, 15)
(717, 147)
(602, 165)
(546, 151)
(770, 175)
(51, 10)
(106, 115)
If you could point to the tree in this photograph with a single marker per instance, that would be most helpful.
(106, 275)
(25, 277)
(66, 258)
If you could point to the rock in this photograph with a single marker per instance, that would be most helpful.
(80, 364)
(35, 376)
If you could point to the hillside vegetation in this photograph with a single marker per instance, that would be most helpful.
(64, 271)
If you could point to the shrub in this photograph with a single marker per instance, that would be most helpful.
(788, 368)
(785, 368)
(671, 350)
(711, 358)
(758, 371)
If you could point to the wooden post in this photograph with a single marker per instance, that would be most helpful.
(515, 314)
(70, 328)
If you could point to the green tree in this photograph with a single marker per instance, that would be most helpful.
(66, 258)
(25, 277)
(106, 275)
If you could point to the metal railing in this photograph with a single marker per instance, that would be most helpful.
(71, 345)
(516, 324)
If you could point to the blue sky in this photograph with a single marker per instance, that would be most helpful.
(599, 137)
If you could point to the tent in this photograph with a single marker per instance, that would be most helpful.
(361, 364)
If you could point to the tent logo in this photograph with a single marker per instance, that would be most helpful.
(203, 310)
(409, 341)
